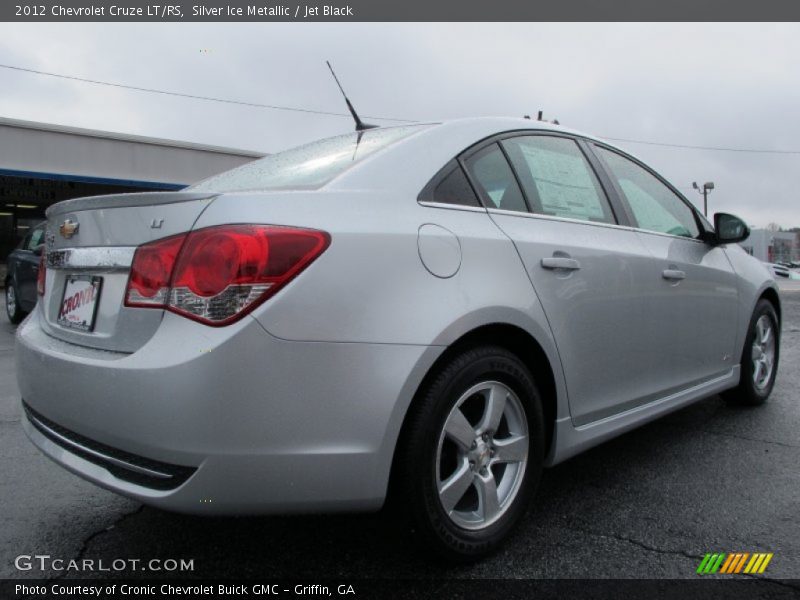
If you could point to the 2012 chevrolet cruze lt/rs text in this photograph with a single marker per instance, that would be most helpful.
(450, 306)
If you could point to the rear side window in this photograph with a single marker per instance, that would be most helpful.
(455, 189)
(495, 179)
(558, 179)
(654, 206)
(23, 245)
(36, 239)
(306, 167)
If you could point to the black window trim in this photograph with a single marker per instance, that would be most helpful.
(619, 205)
(592, 170)
(529, 203)
(23, 245)
(621, 218)
(426, 196)
(463, 158)
(701, 226)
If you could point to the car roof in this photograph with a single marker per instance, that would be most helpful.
(501, 124)
(407, 165)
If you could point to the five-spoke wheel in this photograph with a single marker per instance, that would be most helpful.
(472, 451)
(759, 363)
(763, 352)
(13, 309)
(481, 456)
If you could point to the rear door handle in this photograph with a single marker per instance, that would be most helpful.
(673, 274)
(560, 262)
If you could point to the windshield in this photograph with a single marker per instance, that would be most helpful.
(305, 167)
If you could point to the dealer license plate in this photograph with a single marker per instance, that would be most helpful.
(79, 303)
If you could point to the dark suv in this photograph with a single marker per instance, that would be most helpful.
(23, 270)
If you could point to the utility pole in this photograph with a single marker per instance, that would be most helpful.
(707, 187)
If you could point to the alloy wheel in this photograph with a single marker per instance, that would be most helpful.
(482, 455)
(11, 300)
(763, 352)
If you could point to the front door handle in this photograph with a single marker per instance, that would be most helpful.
(560, 262)
(673, 274)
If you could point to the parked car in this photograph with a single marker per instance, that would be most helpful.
(23, 270)
(778, 270)
(447, 307)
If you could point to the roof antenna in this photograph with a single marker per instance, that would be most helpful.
(360, 125)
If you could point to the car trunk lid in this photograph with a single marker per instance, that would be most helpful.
(90, 245)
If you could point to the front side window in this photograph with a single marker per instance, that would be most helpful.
(558, 179)
(495, 179)
(306, 167)
(655, 207)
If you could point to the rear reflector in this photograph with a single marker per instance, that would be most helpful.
(218, 274)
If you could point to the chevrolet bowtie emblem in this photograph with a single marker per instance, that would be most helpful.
(68, 228)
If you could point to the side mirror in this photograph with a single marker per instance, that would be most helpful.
(38, 250)
(730, 229)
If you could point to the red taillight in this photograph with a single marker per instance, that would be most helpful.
(151, 271)
(218, 274)
(40, 278)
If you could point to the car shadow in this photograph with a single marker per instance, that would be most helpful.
(575, 494)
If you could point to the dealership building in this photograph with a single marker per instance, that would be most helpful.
(41, 164)
(773, 246)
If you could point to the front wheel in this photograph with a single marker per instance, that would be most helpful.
(759, 363)
(13, 309)
(472, 452)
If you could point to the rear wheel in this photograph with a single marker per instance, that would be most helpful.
(759, 363)
(13, 309)
(472, 453)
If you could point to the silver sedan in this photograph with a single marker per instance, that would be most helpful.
(440, 310)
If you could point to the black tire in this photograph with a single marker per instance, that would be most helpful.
(13, 310)
(419, 453)
(748, 392)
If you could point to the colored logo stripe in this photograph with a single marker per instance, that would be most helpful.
(727, 564)
(711, 563)
(734, 563)
(758, 563)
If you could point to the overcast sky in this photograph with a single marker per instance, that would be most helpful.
(728, 85)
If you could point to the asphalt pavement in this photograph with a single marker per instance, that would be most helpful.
(649, 504)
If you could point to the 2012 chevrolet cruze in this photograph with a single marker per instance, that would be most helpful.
(449, 306)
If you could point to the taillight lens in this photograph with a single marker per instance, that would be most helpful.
(151, 272)
(217, 275)
(41, 277)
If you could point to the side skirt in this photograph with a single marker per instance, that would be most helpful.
(570, 440)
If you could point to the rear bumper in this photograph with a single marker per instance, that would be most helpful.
(250, 423)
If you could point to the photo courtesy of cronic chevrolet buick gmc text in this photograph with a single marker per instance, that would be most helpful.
(440, 310)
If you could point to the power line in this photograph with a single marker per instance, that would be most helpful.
(717, 148)
(197, 97)
(339, 114)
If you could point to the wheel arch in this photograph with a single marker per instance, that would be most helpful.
(772, 296)
(518, 341)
